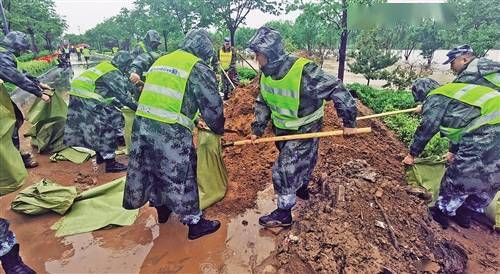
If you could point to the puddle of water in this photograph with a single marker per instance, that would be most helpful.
(239, 246)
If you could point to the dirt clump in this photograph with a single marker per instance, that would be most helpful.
(355, 224)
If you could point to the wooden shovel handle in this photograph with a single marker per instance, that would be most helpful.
(295, 137)
(386, 114)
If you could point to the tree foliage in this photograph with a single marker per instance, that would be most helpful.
(371, 56)
(39, 16)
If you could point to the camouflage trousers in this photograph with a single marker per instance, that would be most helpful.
(92, 125)
(294, 166)
(7, 238)
(162, 169)
(473, 178)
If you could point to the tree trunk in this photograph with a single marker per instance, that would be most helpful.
(33, 43)
(368, 83)
(165, 37)
(232, 32)
(343, 42)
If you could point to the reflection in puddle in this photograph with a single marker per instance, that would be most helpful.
(146, 247)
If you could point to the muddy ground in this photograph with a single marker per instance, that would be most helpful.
(342, 229)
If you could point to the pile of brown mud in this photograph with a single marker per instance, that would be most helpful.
(249, 167)
(362, 218)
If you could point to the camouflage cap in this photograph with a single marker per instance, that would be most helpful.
(122, 60)
(457, 52)
(198, 42)
(152, 39)
(17, 41)
(227, 39)
(421, 87)
(268, 42)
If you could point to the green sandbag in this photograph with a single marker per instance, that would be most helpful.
(77, 155)
(96, 208)
(43, 197)
(40, 110)
(12, 170)
(211, 172)
(47, 135)
(428, 172)
(49, 120)
(129, 116)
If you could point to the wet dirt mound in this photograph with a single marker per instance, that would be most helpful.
(249, 167)
(361, 221)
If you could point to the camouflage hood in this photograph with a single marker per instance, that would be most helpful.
(198, 42)
(16, 42)
(421, 87)
(122, 60)
(268, 42)
(152, 39)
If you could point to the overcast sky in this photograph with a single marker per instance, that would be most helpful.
(82, 15)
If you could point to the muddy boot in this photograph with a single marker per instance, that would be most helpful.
(163, 213)
(112, 166)
(277, 218)
(13, 264)
(463, 217)
(202, 228)
(303, 192)
(439, 217)
(29, 160)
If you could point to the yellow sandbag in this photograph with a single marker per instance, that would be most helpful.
(12, 170)
(211, 172)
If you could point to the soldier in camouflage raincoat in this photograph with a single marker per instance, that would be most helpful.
(226, 60)
(162, 164)
(12, 45)
(91, 123)
(292, 170)
(473, 175)
(145, 54)
(473, 70)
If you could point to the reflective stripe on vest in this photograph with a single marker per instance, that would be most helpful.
(485, 98)
(493, 78)
(143, 47)
(283, 98)
(163, 93)
(2, 49)
(84, 85)
(225, 58)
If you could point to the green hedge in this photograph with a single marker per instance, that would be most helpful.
(34, 68)
(246, 74)
(404, 125)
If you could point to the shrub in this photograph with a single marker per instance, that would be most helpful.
(404, 125)
(246, 73)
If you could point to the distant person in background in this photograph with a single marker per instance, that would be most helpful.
(79, 53)
(227, 60)
(86, 55)
(473, 70)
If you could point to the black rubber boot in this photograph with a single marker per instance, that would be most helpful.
(13, 264)
(303, 192)
(202, 228)
(98, 158)
(277, 218)
(29, 160)
(439, 217)
(163, 213)
(112, 166)
(463, 217)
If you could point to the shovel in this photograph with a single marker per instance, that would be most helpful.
(389, 113)
(295, 137)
